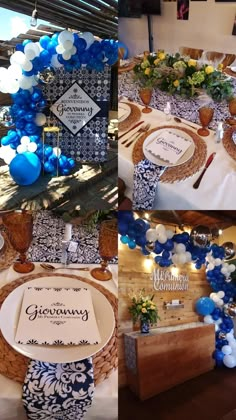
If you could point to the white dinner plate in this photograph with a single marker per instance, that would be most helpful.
(186, 156)
(233, 69)
(2, 241)
(10, 312)
(123, 111)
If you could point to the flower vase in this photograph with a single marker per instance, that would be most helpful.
(144, 326)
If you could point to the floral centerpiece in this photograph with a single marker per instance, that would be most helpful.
(183, 76)
(143, 309)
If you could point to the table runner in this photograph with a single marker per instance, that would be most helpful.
(186, 108)
(146, 177)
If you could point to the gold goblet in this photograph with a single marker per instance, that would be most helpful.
(108, 248)
(205, 117)
(146, 96)
(19, 226)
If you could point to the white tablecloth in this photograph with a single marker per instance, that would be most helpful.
(105, 402)
(216, 188)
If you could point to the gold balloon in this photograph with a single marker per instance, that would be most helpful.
(230, 249)
(47, 76)
(230, 309)
(201, 236)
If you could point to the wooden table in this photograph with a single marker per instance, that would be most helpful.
(168, 356)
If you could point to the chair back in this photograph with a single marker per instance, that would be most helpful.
(194, 53)
(213, 57)
(228, 60)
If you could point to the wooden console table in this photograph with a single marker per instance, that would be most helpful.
(168, 356)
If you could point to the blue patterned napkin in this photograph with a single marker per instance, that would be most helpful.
(146, 177)
(58, 391)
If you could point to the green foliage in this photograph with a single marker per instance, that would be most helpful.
(143, 308)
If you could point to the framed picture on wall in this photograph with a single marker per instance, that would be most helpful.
(226, 1)
(234, 27)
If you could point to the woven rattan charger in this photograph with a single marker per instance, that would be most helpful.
(134, 116)
(181, 172)
(14, 365)
(8, 254)
(228, 142)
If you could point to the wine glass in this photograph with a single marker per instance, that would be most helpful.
(108, 248)
(146, 96)
(19, 226)
(232, 107)
(205, 117)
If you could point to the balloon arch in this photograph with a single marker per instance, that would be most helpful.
(168, 248)
(33, 64)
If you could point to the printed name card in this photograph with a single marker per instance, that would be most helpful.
(57, 316)
(169, 146)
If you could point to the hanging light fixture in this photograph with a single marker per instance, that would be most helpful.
(34, 17)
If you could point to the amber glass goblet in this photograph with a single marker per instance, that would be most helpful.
(19, 226)
(205, 117)
(146, 96)
(232, 107)
(108, 248)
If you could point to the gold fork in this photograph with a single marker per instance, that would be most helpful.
(141, 131)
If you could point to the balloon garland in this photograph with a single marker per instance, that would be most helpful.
(32, 64)
(168, 248)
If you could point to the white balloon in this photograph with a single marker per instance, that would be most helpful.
(182, 258)
(188, 256)
(169, 234)
(40, 119)
(229, 361)
(57, 151)
(220, 302)
(22, 148)
(65, 36)
(175, 259)
(88, 37)
(60, 49)
(218, 321)
(210, 266)
(27, 65)
(161, 229)
(224, 270)
(208, 319)
(73, 50)
(231, 268)
(3, 73)
(25, 82)
(215, 298)
(218, 261)
(226, 349)
(151, 235)
(66, 55)
(216, 327)
(15, 71)
(18, 57)
(221, 294)
(67, 45)
(25, 140)
(212, 295)
(162, 238)
(31, 50)
(12, 85)
(32, 147)
(55, 63)
(180, 248)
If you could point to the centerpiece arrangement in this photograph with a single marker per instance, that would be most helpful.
(182, 75)
(143, 309)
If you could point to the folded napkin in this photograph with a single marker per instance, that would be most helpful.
(54, 391)
(146, 177)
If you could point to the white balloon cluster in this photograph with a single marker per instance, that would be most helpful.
(26, 145)
(181, 256)
(66, 45)
(160, 234)
(229, 350)
(7, 154)
(226, 269)
(218, 298)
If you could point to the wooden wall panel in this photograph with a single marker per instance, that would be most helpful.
(135, 274)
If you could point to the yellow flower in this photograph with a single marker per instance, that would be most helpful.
(145, 64)
(144, 304)
(152, 307)
(176, 83)
(147, 71)
(192, 63)
(156, 61)
(144, 310)
(220, 67)
(162, 56)
(209, 69)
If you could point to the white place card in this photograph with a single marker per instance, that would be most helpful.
(168, 146)
(57, 316)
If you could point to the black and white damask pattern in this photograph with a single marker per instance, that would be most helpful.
(180, 107)
(53, 391)
(90, 144)
(130, 353)
(146, 177)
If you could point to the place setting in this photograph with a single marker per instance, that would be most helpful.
(63, 316)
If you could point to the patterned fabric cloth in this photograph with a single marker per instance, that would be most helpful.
(146, 176)
(48, 232)
(58, 391)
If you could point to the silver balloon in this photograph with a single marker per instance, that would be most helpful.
(47, 76)
(230, 249)
(222, 335)
(230, 309)
(150, 246)
(201, 236)
(228, 279)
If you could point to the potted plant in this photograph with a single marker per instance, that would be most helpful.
(143, 309)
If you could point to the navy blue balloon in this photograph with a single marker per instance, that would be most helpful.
(205, 306)
(25, 168)
(49, 167)
(168, 245)
(158, 248)
(123, 227)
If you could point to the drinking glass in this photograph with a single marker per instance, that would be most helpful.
(146, 96)
(108, 248)
(19, 226)
(205, 117)
(232, 107)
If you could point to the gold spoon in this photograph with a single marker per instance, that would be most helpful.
(50, 267)
(178, 120)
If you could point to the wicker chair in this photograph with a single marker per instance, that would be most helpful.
(213, 56)
(194, 53)
(228, 60)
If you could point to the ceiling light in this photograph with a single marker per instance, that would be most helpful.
(220, 231)
(34, 17)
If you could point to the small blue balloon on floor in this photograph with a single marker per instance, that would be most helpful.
(25, 168)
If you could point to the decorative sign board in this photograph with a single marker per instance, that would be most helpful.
(75, 108)
(164, 280)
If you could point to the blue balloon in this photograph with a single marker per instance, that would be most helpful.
(205, 306)
(48, 151)
(19, 47)
(49, 167)
(25, 168)
(124, 239)
(44, 41)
